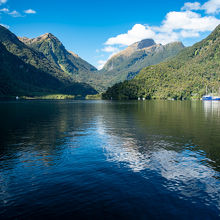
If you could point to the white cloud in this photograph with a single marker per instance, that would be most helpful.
(137, 33)
(15, 14)
(166, 37)
(101, 63)
(187, 34)
(30, 11)
(191, 6)
(3, 2)
(188, 20)
(110, 49)
(176, 25)
(212, 6)
(4, 10)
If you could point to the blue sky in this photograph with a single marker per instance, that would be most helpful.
(97, 29)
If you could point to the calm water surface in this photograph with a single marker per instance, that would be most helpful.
(109, 160)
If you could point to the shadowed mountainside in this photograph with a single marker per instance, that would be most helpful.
(24, 71)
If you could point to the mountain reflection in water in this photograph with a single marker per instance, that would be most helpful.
(98, 159)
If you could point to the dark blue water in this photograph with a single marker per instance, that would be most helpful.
(109, 160)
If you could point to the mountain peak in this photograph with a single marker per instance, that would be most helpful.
(56, 53)
(43, 37)
(49, 35)
(46, 36)
(145, 43)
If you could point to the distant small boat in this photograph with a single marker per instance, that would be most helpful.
(210, 98)
(207, 98)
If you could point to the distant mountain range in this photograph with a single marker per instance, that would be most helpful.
(185, 76)
(43, 65)
(126, 64)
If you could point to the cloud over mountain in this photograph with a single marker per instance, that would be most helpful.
(177, 25)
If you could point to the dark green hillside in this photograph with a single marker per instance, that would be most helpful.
(28, 55)
(19, 78)
(25, 71)
(124, 65)
(66, 61)
(184, 76)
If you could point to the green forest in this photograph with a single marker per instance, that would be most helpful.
(185, 76)
(43, 67)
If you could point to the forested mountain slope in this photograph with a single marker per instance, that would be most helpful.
(23, 70)
(54, 50)
(184, 76)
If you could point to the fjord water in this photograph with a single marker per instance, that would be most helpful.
(110, 160)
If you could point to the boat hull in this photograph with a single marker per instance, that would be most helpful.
(211, 98)
(207, 98)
